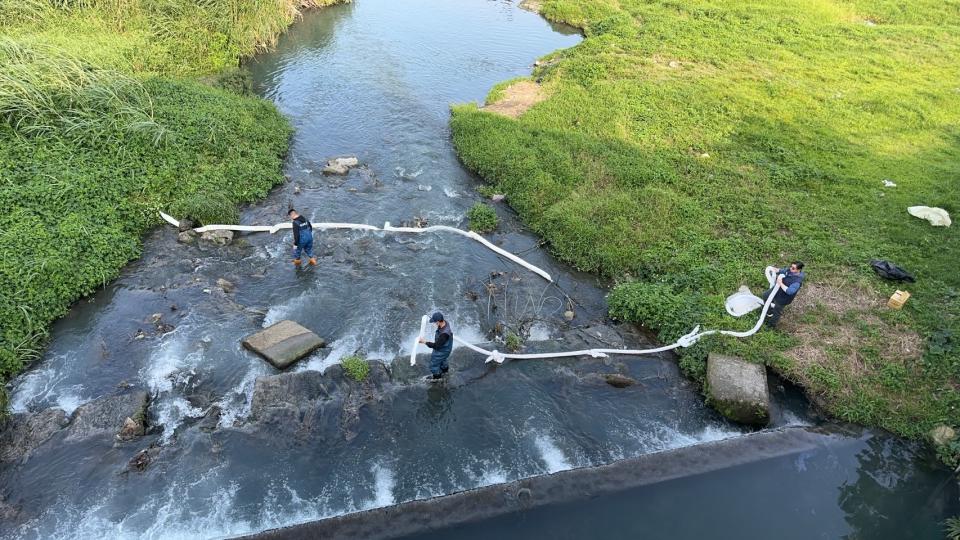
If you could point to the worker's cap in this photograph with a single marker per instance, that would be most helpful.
(436, 317)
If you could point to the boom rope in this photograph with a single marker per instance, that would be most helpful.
(686, 340)
(364, 227)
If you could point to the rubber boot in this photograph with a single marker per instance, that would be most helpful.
(296, 262)
(313, 261)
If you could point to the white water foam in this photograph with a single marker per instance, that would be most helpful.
(450, 193)
(789, 419)
(172, 365)
(41, 388)
(205, 506)
(236, 403)
(383, 485)
(170, 412)
(402, 173)
(551, 454)
(662, 437)
(338, 349)
(279, 312)
(491, 473)
(468, 332)
(342, 348)
(540, 332)
(166, 361)
(473, 473)
(170, 514)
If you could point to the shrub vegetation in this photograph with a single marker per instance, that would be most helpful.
(356, 367)
(99, 129)
(483, 218)
(688, 144)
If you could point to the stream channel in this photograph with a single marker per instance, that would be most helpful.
(375, 79)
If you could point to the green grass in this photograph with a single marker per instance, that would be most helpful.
(483, 218)
(75, 211)
(686, 145)
(952, 528)
(356, 367)
(104, 121)
(173, 37)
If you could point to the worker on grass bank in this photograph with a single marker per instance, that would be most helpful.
(789, 281)
(442, 345)
(302, 238)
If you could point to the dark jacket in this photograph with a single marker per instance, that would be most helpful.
(442, 343)
(793, 283)
(302, 227)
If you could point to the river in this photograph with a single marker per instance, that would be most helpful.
(373, 79)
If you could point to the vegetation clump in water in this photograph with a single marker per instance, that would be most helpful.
(686, 146)
(483, 219)
(356, 367)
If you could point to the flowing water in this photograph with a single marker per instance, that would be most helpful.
(372, 79)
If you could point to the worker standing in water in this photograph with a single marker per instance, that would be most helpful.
(442, 345)
(302, 238)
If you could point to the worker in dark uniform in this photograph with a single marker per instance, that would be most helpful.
(302, 238)
(789, 281)
(442, 345)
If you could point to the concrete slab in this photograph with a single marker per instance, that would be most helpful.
(738, 389)
(283, 343)
(576, 487)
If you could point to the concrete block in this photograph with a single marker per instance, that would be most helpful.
(283, 343)
(738, 389)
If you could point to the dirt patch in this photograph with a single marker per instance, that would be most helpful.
(517, 98)
(839, 331)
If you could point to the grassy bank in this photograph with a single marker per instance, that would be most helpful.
(103, 123)
(686, 145)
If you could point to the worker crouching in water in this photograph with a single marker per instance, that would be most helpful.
(789, 281)
(302, 238)
(442, 345)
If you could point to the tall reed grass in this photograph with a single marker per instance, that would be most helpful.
(44, 91)
(176, 36)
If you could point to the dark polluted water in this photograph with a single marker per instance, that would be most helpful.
(229, 456)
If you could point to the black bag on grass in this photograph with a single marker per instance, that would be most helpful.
(888, 270)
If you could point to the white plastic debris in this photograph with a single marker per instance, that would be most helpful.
(938, 217)
(742, 302)
(888, 183)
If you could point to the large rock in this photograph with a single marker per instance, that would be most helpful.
(120, 416)
(288, 395)
(131, 429)
(315, 406)
(283, 343)
(185, 225)
(24, 433)
(618, 380)
(340, 165)
(738, 389)
(187, 237)
(221, 238)
(225, 285)
(109, 415)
